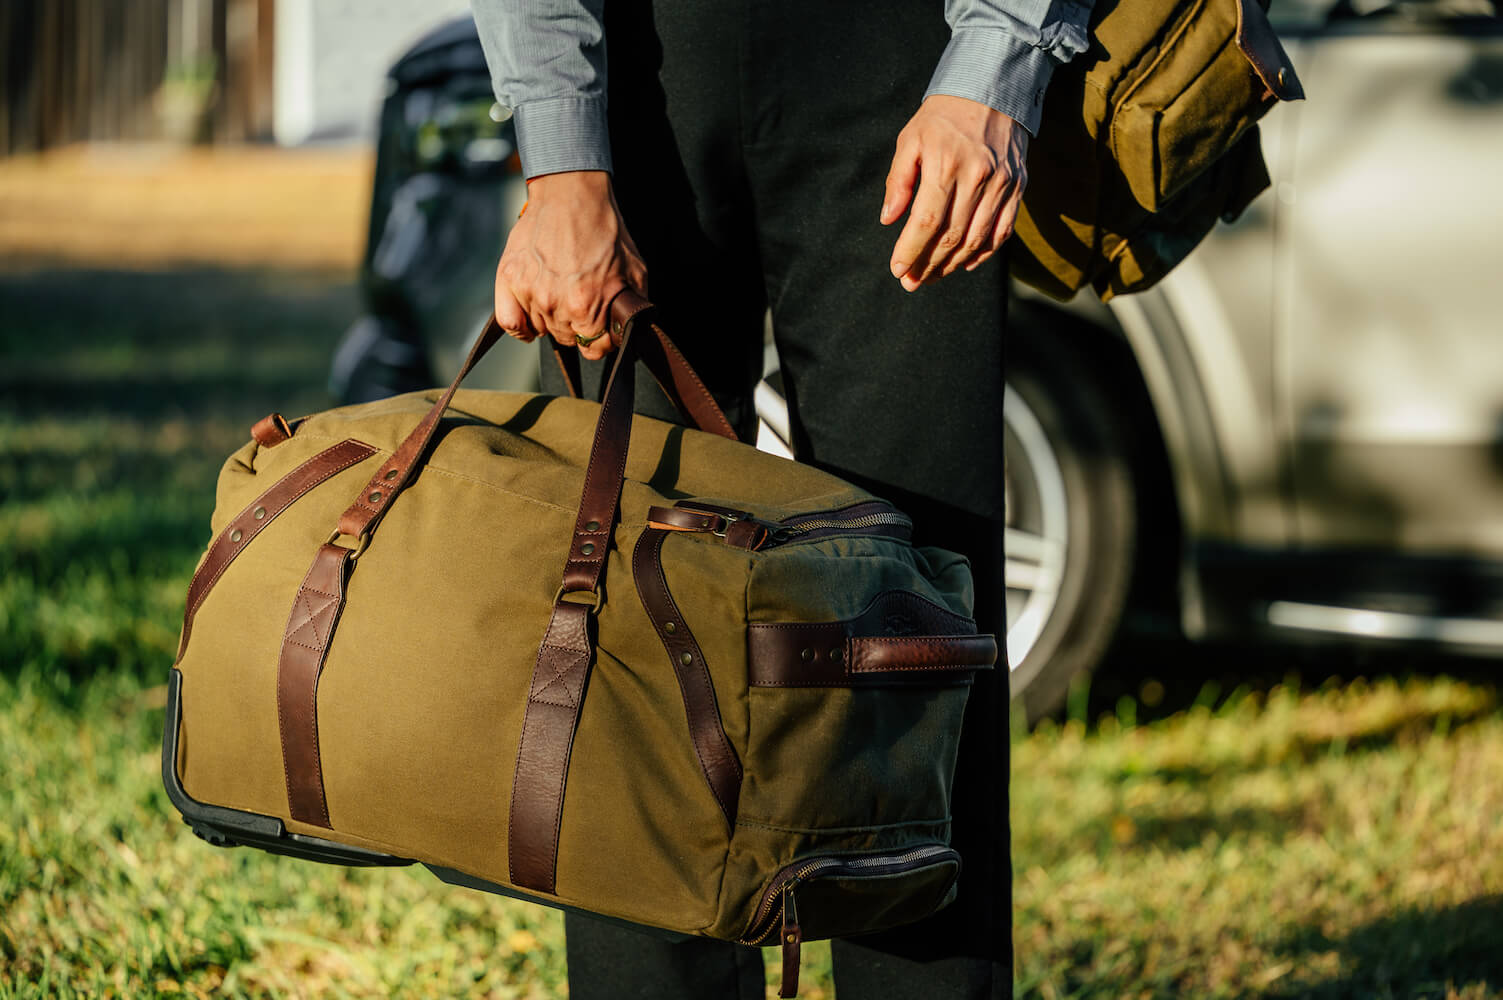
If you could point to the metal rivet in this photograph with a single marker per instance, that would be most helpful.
(686, 658)
(1283, 75)
(837, 655)
(807, 655)
(792, 938)
(393, 473)
(235, 535)
(259, 514)
(375, 496)
(670, 627)
(616, 329)
(588, 548)
(592, 526)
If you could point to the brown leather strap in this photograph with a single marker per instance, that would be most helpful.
(568, 364)
(271, 430)
(929, 654)
(1260, 44)
(567, 650)
(261, 511)
(310, 626)
(899, 638)
(819, 656)
(553, 701)
(717, 758)
(670, 369)
(683, 519)
(606, 469)
(394, 474)
(740, 533)
(682, 384)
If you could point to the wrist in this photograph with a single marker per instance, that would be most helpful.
(570, 184)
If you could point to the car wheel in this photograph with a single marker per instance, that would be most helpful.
(1070, 516)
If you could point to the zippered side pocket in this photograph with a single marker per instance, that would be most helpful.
(833, 896)
(742, 529)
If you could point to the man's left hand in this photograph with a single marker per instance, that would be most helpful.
(961, 166)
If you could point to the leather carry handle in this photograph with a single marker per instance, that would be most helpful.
(664, 359)
(669, 368)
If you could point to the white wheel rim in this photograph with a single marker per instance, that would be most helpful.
(1038, 528)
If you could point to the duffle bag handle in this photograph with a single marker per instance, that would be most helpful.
(663, 358)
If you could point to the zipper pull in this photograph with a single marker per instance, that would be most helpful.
(735, 527)
(792, 939)
(683, 519)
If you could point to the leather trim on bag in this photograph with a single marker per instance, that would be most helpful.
(900, 638)
(305, 646)
(271, 430)
(394, 474)
(682, 384)
(683, 519)
(717, 758)
(667, 365)
(552, 716)
(226, 546)
(912, 654)
(1260, 44)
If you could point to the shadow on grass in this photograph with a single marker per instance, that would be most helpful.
(192, 341)
(1417, 952)
(1181, 831)
(1146, 680)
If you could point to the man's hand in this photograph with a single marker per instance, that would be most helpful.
(967, 162)
(567, 257)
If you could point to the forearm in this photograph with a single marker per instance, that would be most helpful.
(548, 66)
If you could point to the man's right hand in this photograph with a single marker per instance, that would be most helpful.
(567, 257)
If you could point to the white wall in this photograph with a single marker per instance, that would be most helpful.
(332, 57)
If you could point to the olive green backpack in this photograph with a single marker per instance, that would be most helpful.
(686, 685)
(1148, 138)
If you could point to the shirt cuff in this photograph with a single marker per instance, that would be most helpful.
(998, 70)
(556, 134)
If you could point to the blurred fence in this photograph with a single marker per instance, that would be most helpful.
(188, 70)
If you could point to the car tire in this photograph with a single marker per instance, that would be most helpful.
(1071, 512)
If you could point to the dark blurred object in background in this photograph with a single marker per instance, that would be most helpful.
(448, 184)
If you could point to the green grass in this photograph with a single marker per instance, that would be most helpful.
(1336, 839)
(1342, 842)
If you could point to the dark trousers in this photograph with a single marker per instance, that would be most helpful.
(752, 140)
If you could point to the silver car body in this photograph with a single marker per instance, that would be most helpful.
(1326, 372)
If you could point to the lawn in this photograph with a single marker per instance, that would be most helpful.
(1289, 837)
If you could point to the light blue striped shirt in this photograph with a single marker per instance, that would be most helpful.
(547, 61)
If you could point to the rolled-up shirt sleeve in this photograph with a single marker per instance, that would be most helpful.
(1003, 52)
(547, 62)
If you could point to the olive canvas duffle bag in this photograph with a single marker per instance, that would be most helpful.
(682, 684)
